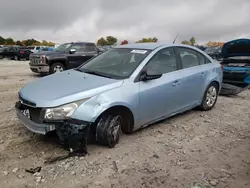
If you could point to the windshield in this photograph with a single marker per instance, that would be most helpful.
(117, 63)
(62, 47)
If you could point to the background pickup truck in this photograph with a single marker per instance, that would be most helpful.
(65, 56)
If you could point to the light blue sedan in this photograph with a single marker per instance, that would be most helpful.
(121, 90)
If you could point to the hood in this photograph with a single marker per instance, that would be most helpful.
(66, 87)
(236, 48)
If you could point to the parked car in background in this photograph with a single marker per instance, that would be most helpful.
(236, 62)
(214, 52)
(35, 49)
(15, 53)
(121, 90)
(65, 56)
(47, 48)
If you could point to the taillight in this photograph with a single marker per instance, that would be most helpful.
(21, 52)
(221, 66)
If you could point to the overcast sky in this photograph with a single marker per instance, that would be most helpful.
(87, 20)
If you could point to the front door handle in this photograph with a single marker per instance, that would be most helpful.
(203, 74)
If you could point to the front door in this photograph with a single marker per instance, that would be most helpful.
(159, 97)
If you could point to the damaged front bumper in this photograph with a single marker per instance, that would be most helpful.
(32, 126)
(71, 132)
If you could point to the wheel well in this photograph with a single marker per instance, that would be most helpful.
(217, 84)
(58, 61)
(127, 115)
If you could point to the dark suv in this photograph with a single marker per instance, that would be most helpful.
(65, 56)
(15, 53)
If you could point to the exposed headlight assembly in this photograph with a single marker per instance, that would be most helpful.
(62, 112)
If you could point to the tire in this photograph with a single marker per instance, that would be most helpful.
(16, 58)
(1, 57)
(56, 67)
(210, 97)
(108, 129)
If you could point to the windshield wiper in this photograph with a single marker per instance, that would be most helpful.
(95, 73)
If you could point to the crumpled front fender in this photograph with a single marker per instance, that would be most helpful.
(91, 109)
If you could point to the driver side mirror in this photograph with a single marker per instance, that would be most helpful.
(72, 51)
(150, 75)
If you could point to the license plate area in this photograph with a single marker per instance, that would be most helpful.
(26, 113)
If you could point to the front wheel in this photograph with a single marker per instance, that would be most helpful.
(108, 129)
(56, 67)
(210, 97)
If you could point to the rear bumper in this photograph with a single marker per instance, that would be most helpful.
(40, 68)
(32, 126)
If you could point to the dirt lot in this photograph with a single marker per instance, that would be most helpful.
(211, 148)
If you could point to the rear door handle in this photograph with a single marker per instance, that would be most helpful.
(176, 83)
(203, 74)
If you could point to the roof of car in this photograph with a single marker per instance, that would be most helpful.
(147, 46)
(152, 45)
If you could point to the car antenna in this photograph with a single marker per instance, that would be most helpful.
(175, 38)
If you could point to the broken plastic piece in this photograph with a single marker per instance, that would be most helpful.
(33, 170)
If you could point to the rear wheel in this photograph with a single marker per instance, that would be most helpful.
(1, 56)
(108, 129)
(210, 97)
(56, 67)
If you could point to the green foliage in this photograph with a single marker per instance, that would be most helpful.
(110, 40)
(9, 41)
(191, 41)
(28, 42)
(19, 43)
(185, 42)
(2, 40)
(102, 42)
(143, 40)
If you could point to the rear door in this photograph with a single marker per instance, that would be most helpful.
(90, 51)
(83, 53)
(194, 73)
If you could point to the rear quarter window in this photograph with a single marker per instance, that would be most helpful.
(201, 58)
(207, 60)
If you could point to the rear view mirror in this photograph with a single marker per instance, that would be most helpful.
(72, 51)
(150, 75)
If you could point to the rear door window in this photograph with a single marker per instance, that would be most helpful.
(90, 48)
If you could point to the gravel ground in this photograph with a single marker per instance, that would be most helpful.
(210, 148)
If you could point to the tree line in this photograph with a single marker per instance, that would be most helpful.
(103, 41)
(111, 40)
(27, 42)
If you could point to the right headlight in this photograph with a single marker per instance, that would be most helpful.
(43, 59)
(62, 112)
